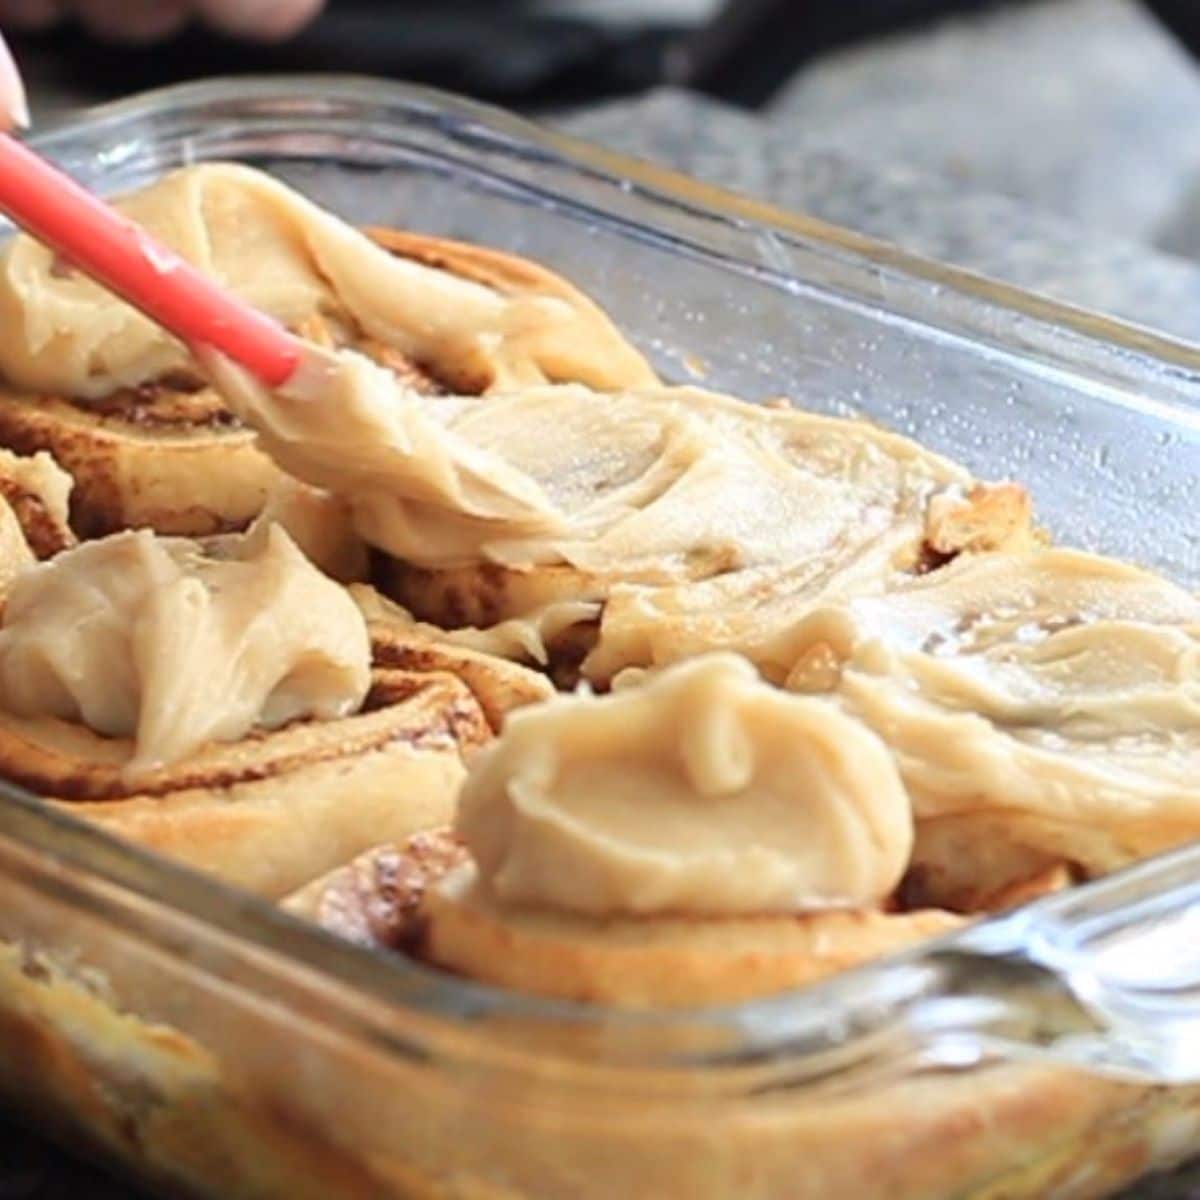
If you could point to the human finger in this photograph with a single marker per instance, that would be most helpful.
(31, 14)
(14, 109)
(133, 20)
(269, 20)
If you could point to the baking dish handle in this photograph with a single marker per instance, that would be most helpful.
(1105, 977)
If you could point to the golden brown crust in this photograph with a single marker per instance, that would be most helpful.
(653, 962)
(1056, 877)
(990, 517)
(963, 858)
(605, 360)
(152, 1095)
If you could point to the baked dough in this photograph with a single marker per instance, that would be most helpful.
(698, 839)
(198, 1090)
(34, 494)
(375, 899)
(276, 808)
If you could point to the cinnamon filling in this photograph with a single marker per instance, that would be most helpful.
(44, 532)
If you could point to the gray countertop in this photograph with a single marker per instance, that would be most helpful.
(1054, 145)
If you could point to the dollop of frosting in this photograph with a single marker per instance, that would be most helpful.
(288, 257)
(700, 791)
(146, 637)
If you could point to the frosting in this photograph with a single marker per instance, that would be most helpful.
(705, 791)
(864, 543)
(345, 424)
(1057, 685)
(145, 637)
(66, 335)
(658, 487)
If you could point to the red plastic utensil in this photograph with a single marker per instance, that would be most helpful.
(102, 244)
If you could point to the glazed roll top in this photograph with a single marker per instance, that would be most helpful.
(1058, 688)
(344, 424)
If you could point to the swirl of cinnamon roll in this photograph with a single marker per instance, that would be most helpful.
(697, 521)
(34, 496)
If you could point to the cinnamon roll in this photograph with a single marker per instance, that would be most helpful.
(1042, 709)
(240, 713)
(700, 838)
(122, 406)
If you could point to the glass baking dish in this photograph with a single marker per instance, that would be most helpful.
(218, 1047)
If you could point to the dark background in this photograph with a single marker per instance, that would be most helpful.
(525, 55)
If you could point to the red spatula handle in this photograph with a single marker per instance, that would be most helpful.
(101, 243)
